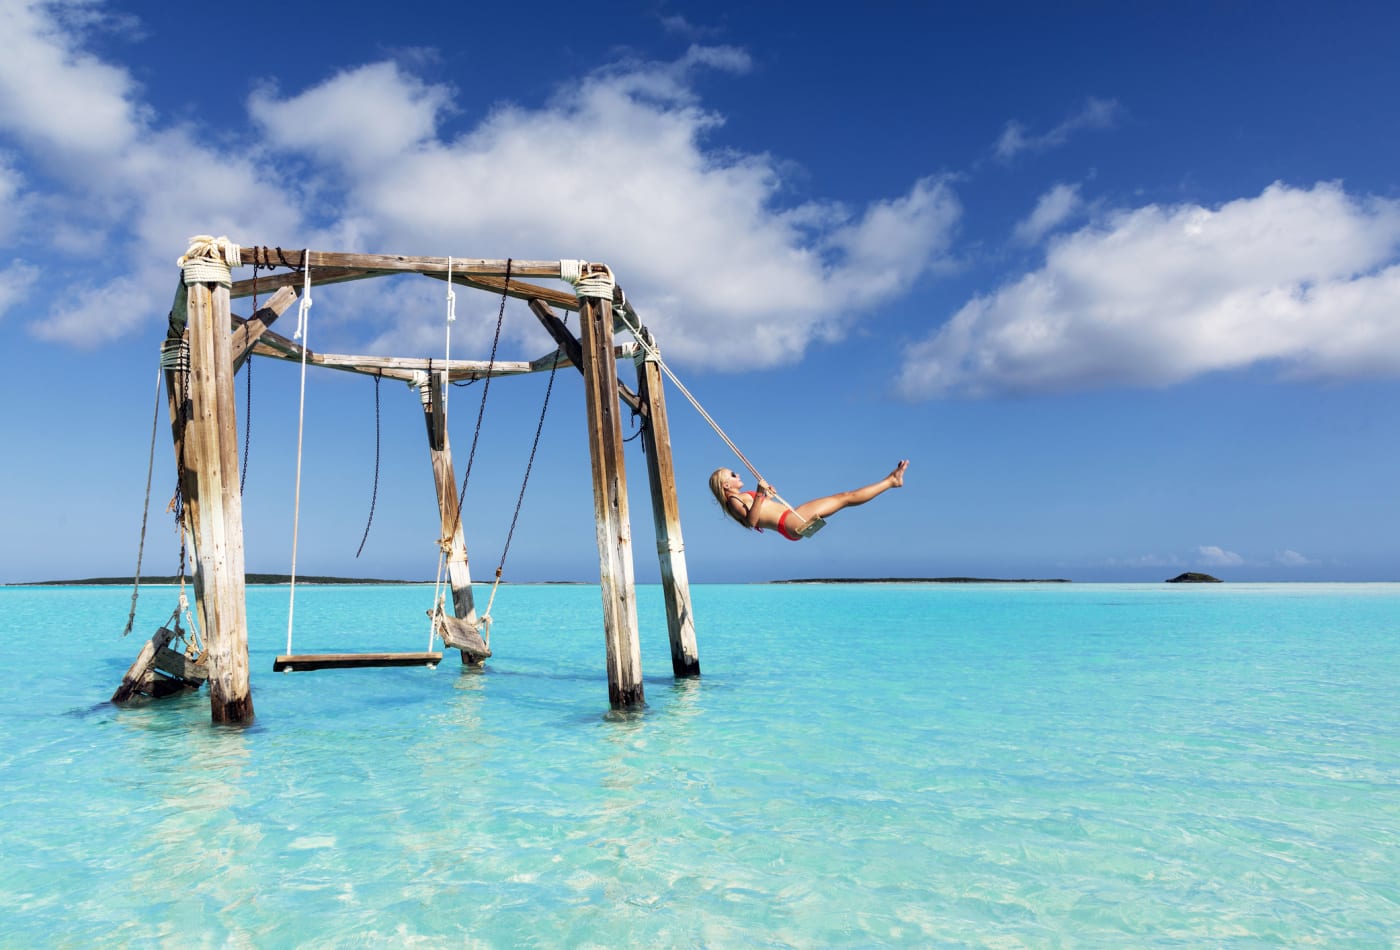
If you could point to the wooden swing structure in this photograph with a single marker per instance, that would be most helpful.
(214, 343)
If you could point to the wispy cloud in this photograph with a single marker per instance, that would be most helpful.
(1210, 555)
(1016, 138)
(1307, 278)
(679, 25)
(1289, 558)
(1054, 207)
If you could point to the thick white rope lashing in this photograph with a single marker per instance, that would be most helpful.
(208, 260)
(303, 315)
(598, 284)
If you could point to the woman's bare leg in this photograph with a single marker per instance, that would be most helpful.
(821, 507)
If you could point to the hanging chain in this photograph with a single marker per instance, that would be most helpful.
(248, 389)
(374, 494)
(529, 465)
(486, 388)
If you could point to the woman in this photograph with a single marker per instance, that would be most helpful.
(758, 510)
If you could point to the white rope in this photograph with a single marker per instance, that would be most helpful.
(302, 319)
(654, 354)
(208, 259)
(598, 285)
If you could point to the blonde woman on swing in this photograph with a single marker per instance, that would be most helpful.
(759, 510)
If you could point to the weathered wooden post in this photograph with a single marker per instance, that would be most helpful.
(614, 531)
(666, 514)
(452, 536)
(211, 459)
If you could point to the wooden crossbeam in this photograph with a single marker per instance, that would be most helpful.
(397, 263)
(249, 331)
(265, 283)
(394, 367)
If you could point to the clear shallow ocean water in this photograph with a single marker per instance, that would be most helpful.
(860, 765)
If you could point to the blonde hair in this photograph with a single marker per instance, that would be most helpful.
(717, 479)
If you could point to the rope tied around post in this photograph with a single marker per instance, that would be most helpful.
(208, 260)
(594, 281)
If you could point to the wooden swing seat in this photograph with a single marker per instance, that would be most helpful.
(810, 528)
(299, 662)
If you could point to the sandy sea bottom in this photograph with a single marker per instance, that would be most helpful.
(860, 765)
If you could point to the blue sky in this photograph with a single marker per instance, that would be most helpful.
(1121, 280)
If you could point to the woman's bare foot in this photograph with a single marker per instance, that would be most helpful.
(897, 476)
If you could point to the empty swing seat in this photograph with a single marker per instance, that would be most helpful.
(298, 662)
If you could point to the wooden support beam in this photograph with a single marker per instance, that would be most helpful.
(445, 481)
(521, 290)
(248, 331)
(397, 263)
(518, 289)
(177, 380)
(666, 515)
(211, 454)
(614, 532)
(571, 346)
(276, 346)
(264, 283)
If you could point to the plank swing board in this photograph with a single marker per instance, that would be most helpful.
(298, 662)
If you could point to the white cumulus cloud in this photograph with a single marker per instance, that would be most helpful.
(708, 242)
(615, 168)
(1307, 278)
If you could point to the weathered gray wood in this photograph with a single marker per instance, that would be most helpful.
(395, 367)
(666, 515)
(463, 635)
(519, 289)
(139, 676)
(293, 279)
(211, 441)
(459, 574)
(614, 532)
(298, 662)
(247, 332)
(463, 267)
(178, 665)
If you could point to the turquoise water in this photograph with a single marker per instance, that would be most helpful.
(892, 765)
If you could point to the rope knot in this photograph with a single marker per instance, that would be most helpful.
(208, 260)
(589, 280)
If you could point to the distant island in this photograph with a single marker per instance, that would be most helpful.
(925, 580)
(1192, 577)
